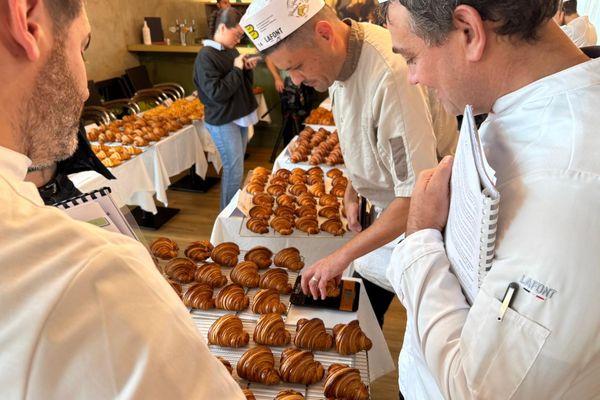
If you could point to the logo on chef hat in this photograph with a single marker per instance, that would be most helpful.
(298, 8)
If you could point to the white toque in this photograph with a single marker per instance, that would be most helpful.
(267, 22)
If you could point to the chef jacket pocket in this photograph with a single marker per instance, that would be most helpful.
(497, 355)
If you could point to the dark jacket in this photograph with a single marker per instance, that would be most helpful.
(225, 91)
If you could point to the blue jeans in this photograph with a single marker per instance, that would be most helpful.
(230, 140)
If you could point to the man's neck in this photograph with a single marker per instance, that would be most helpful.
(569, 18)
(42, 176)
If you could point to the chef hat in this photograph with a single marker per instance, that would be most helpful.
(267, 22)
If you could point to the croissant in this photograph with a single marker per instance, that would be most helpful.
(299, 172)
(226, 254)
(298, 188)
(333, 226)
(318, 171)
(297, 180)
(181, 269)
(164, 248)
(248, 393)
(259, 179)
(334, 173)
(308, 224)
(270, 330)
(276, 278)
(311, 335)
(226, 363)
(282, 225)
(261, 212)
(262, 199)
(350, 339)
(255, 187)
(283, 173)
(267, 301)
(289, 395)
(199, 295)
(332, 289)
(199, 251)
(329, 212)
(258, 365)
(286, 200)
(228, 331)
(338, 190)
(316, 158)
(211, 275)
(315, 179)
(245, 274)
(260, 255)
(176, 287)
(343, 382)
(317, 189)
(328, 200)
(257, 225)
(276, 180)
(306, 200)
(289, 258)
(339, 180)
(285, 211)
(276, 190)
(307, 211)
(299, 366)
(260, 171)
(232, 298)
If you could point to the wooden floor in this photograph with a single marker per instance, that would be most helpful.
(195, 221)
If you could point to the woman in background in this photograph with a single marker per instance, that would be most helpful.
(224, 80)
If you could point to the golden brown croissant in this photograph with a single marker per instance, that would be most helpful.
(285, 211)
(257, 225)
(283, 173)
(267, 301)
(270, 331)
(260, 255)
(232, 298)
(248, 393)
(306, 200)
(261, 171)
(307, 211)
(226, 254)
(333, 226)
(286, 200)
(332, 289)
(199, 251)
(289, 395)
(338, 190)
(263, 199)
(315, 171)
(314, 179)
(211, 275)
(245, 274)
(164, 248)
(277, 180)
(350, 339)
(299, 366)
(308, 224)
(181, 269)
(226, 363)
(276, 278)
(282, 225)
(298, 188)
(317, 189)
(261, 212)
(228, 331)
(334, 173)
(329, 212)
(339, 181)
(311, 335)
(255, 188)
(199, 295)
(289, 258)
(328, 200)
(258, 365)
(343, 382)
(276, 190)
(299, 172)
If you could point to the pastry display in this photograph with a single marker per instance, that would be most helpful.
(226, 363)
(267, 301)
(276, 278)
(226, 254)
(258, 225)
(228, 331)
(311, 335)
(320, 116)
(210, 274)
(299, 366)
(259, 255)
(289, 395)
(245, 274)
(350, 339)
(199, 251)
(200, 296)
(343, 382)
(270, 331)
(258, 365)
(289, 258)
(317, 147)
(164, 248)
(232, 298)
(181, 269)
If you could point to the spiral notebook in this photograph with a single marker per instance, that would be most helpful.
(98, 208)
(470, 234)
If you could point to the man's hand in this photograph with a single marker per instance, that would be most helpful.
(279, 85)
(352, 208)
(431, 199)
(240, 61)
(315, 278)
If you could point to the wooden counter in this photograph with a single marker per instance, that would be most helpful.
(177, 48)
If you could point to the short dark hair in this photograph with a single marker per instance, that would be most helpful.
(230, 17)
(432, 20)
(63, 12)
(569, 7)
(304, 35)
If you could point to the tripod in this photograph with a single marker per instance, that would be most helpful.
(290, 119)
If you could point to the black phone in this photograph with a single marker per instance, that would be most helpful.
(346, 299)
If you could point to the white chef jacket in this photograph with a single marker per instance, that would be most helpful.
(581, 31)
(542, 141)
(86, 315)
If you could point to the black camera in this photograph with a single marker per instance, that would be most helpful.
(292, 97)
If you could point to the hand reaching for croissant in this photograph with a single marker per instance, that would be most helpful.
(314, 279)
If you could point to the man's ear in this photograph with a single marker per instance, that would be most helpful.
(471, 27)
(25, 19)
(324, 31)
